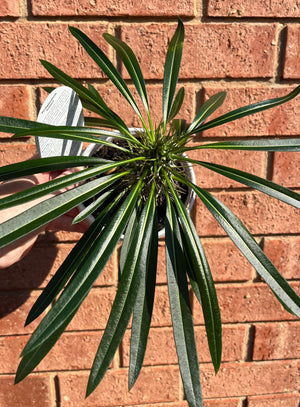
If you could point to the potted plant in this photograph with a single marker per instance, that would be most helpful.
(144, 177)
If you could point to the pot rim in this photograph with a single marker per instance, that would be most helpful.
(190, 200)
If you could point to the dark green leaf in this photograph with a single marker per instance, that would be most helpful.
(202, 273)
(46, 211)
(171, 70)
(181, 313)
(251, 250)
(249, 110)
(267, 187)
(142, 312)
(176, 106)
(39, 165)
(124, 302)
(208, 108)
(104, 63)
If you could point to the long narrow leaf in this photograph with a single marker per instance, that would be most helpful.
(171, 70)
(211, 105)
(11, 124)
(39, 165)
(251, 250)
(143, 308)
(104, 63)
(202, 273)
(267, 187)
(124, 302)
(176, 106)
(181, 313)
(132, 66)
(292, 144)
(249, 110)
(46, 211)
(74, 260)
(86, 275)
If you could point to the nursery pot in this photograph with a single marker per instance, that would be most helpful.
(189, 201)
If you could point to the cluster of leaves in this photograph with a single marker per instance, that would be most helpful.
(154, 162)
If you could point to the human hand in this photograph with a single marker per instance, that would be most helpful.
(18, 249)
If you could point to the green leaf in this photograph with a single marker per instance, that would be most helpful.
(74, 261)
(251, 250)
(56, 184)
(171, 70)
(208, 108)
(176, 106)
(89, 270)
(193, 248)
(46, 211)
(253, 145)
(143, 308)
(267, 187)
(249, 110)
(124, 301)
(104, 63)
(132, 66)
(39, 165)
(10, 124)
(181, 313)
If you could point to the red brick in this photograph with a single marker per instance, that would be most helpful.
(277, 341)
(291, 62)
(161, 347)
(37, 268)
(15, 101)
(238, 8)
(286, 169)
(285, 254)
(116, 102)
(276, 400)
(246, 303)
(114, 8)
(14, 153)
(35, 391)
(14, 310)
(223, 50)
(260, 213)
(94, 311)
(279, 121)
(232, 402)
(113, 390)
(243, 160)
(9, 8)
(53, 42)
(237, 379)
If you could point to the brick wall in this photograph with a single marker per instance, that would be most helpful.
(250, 49)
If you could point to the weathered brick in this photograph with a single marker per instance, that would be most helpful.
(260, 213)
(243, 160)
(286, 169)
(114, 8)
(53, 42)
(279, 121)
(113, 390)
(238, 8)
(275, 400)
(10, 8)
(292, 51)
(35, 391)
(14, 153)
(285, 254)
(37, 268)
(161, 347)
(277, 341)
(94, 311)
(14, 310)
(236, 379)
(16, 101)
(223, 50)
(232, 402)
(246, 303)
